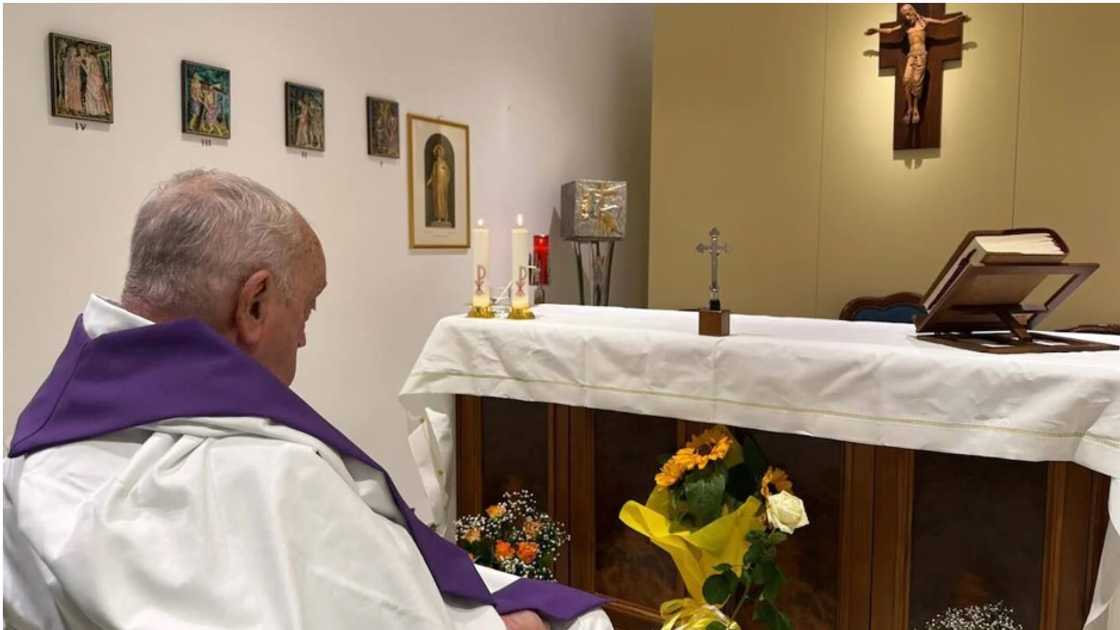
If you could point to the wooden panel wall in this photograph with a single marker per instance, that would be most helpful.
(874, 530)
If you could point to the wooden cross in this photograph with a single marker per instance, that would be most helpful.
(943, 37)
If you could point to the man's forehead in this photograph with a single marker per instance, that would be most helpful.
(319, 267)
(321, 281)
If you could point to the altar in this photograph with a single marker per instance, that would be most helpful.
(934, 477)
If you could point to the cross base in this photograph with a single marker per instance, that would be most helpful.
(715, 323)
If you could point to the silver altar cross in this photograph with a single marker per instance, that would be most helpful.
(714, 248)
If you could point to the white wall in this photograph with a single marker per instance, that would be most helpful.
(551, 93)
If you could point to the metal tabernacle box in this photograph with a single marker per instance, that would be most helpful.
(593, 210)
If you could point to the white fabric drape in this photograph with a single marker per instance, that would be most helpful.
(1105, 611)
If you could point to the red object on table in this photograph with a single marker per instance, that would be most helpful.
(540, 250)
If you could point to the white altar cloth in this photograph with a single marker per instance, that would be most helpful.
(864, 382)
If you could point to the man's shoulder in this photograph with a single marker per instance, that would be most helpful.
(227, 442)
(179, 464)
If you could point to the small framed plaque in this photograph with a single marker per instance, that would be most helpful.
(206, 100)
(81, 78)
(304, 117)
(383, 135)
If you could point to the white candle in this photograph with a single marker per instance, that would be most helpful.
(519, 292)
(480, 247)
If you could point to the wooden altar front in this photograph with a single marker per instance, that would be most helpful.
(896, 536)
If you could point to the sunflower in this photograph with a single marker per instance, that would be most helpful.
(710, 446)
(672, 470)
(774, 481)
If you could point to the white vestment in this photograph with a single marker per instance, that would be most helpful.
(215, 523)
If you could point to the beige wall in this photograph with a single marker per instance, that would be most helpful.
(551, 93)
(774, 123)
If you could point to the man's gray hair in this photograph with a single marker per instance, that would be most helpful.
(201, 234)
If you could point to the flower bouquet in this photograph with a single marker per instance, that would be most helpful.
(720, 512)
(995, 616)
(513, 536)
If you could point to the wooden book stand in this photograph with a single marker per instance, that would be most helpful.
(963, 318)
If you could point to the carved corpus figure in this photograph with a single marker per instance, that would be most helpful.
(915, 75)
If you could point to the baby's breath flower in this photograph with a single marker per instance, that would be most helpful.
(997, 616)
(513, 536)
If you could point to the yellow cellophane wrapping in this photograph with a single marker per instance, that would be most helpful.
(724, 540)
(688, 614)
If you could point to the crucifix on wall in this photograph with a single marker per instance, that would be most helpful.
(916, 46)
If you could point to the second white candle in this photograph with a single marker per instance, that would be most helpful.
(519, 296)
(480, 244)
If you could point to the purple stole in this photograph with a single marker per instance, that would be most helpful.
(183, 369)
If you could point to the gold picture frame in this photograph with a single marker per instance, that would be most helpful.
(439, 183)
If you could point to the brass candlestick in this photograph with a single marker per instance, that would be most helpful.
(481, 312)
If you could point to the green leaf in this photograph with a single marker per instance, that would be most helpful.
(735, 453)
(754, 459)
(720, 568)
(763, 572)
(678, 509)
(777, 538)
(741, 483)
(745, 578)
(703, 492)
(715, 625)
(717, 588)
(774, 619)
(754, 553)
(756, 536)
(773, 585)
(783, 622)
(765, 612)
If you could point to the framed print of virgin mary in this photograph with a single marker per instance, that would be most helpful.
(439, 184)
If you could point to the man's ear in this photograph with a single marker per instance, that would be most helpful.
(254, 301)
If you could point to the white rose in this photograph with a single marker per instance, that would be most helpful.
(786, 512)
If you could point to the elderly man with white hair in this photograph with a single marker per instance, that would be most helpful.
(166, 476)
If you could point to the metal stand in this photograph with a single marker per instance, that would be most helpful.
(601, 266)
(535, 276)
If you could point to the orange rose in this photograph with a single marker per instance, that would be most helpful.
(473, 535)
(496, 511)
(527, 551)
(503, 550)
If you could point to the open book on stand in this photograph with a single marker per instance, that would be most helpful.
(979, 300)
